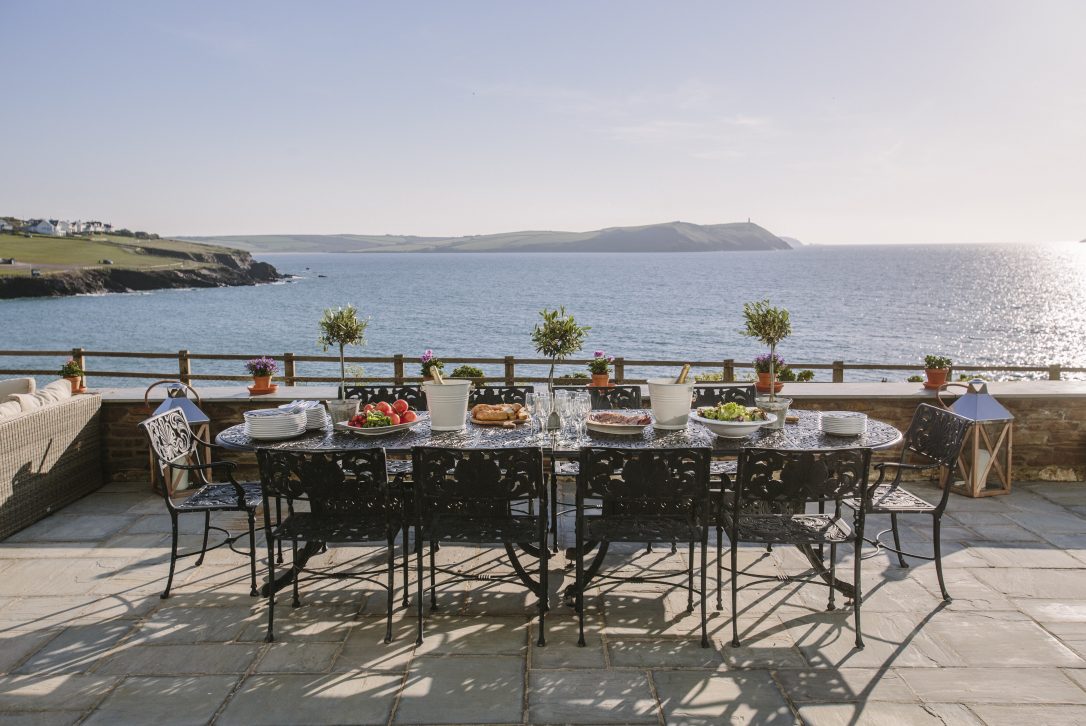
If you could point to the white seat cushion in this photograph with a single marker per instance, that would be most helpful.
(16, 385)
(9, 409)
(27, 401)
(54, 392)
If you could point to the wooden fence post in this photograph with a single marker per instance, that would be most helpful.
(729, 370)
(288, 369)
(510, 371)
(620, 369)
(397, 368)
(838, 371)
(1054, 372)
(80, 360)
(184, 369)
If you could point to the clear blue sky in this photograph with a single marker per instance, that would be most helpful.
(834, 122)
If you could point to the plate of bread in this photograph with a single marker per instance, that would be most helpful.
(499, 414)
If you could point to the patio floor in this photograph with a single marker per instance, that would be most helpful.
(84, 637)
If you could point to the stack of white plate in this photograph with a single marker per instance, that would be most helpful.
(274, 423)
(316, 417)
(844, 423)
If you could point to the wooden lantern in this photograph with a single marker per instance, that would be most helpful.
(985, 461)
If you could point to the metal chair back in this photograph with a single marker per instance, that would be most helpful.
(171, 439)
(937, 434)
(715, 395)
(337, 484)
(782, 482)
(387, 393)
(615, 397)
(647, 482)
(495, 395)
(475, 482)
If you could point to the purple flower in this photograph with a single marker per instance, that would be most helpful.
(263, 366)
(761, 363)
(427, 356)
(598, 354)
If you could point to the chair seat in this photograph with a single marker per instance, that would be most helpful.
(640, 529)
(794, 529)
(567, 468)
(306, 526)
(716, 468)
(888, 499)
(221, 496)
(483, 529)
(398, 467)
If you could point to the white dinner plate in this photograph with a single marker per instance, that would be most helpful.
(615, 429)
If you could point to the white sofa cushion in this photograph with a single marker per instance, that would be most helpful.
(16, 385)
(55, 392)
(9, 409)
(27, 401)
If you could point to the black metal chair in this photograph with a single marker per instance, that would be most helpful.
(387, 393)
(615, 397)
(173, 442)
(714, 395)
(647, 495)
(478, 496)
(348, 500)
(771, 496)
(937, 436)
(494, 395)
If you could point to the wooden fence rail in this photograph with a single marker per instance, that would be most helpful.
(184, 369)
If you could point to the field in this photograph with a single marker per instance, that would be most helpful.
(58, 254)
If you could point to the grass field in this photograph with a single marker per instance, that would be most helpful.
(58, 254)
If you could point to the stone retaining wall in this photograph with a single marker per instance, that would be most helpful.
(1049, 427)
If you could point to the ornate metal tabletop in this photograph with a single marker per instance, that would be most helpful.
(805, 434)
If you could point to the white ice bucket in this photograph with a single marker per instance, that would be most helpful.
(447, 403)
(670, 402)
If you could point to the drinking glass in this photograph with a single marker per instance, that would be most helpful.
(532, 402)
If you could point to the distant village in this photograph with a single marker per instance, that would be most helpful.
(65, 228)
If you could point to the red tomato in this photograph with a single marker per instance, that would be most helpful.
(408, 417)
(384, 407)
(368, 407)
(400, 406)
(394, 418)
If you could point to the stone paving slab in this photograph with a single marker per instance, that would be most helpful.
(84, 637)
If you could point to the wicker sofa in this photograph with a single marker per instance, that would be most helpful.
(49, 456)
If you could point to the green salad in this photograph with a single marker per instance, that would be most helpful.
(732, 412)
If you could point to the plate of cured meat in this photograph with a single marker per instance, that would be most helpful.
(621, 423)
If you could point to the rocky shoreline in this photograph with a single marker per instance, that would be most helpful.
(221, 270)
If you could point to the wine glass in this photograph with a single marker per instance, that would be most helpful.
(532, 402)
(582, 407)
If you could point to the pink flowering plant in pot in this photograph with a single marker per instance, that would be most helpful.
(429, 362)
(600, 367)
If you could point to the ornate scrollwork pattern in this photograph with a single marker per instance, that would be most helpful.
(387, 393)
(476, 481)
(494, 395)
(786, 477)
(647, 482)
(714, 395)
(937, 434)
(335, 483)
(170, 436)
(616, 397)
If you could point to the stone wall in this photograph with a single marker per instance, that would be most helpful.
(1049, 427)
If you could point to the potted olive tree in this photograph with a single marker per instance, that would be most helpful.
(342, 327)
(557, 337)
(770, 325)
(936, 368)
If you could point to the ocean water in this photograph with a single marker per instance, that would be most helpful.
(1021, 305)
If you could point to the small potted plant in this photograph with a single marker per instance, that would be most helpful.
(72, 373)
(771, 371)
(557, 337)
(576, 378)
(600, 367)
(475, 374)
(341, 327)
(429, 362)
(261, 369)
(770, 325)
(936, 368)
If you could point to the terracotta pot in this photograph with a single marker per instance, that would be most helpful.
(261, 382)
(76, 383)
(763, 383)
(936, 376)
(601, 380)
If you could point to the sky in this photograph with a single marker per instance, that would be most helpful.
(832, 122)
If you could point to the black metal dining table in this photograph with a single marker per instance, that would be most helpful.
(803, 433)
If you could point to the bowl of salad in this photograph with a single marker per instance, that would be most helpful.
(732, 420)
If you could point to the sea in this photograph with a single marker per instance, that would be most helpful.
(977, 304)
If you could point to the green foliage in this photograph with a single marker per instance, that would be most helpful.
(915, 379)
(805, 376)
(467, 372)
(356, 374)
(786, 375)
(71, 368)
(558, 336)
(707, 377)
(766, 323)
(341, 326)
(432, 363)
(936, 361)
(572, 378)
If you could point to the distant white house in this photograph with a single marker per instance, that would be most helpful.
(55, 227)
(5, 227)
